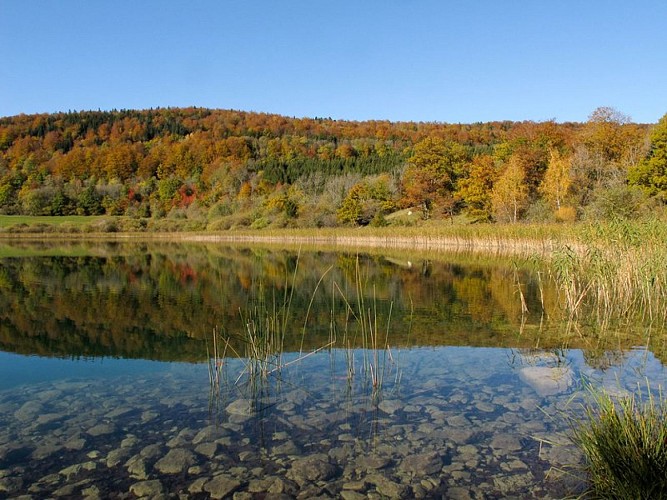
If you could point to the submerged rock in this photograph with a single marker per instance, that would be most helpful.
(176, 461)
(240, 407)
(387, 487)
(75, 443)
(390, 406)
(76, 469)
(117, 456)
(136, 467)
(351, 495)
(313, 468)
(10, 484)
(28, 411)
(547, 381)
(147, 488)
(209, 434)
(101, 430)
(372, 462)
(423, 464)
(506, 443)
(207, 449)
(221, 486)
(515, 483)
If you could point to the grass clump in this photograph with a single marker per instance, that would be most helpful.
(624, 441)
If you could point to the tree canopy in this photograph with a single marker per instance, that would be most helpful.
(231, 169)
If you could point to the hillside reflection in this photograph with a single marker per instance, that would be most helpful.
(163, 301)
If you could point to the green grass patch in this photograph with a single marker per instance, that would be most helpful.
(8, 221)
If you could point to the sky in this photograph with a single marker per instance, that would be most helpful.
(446, 61)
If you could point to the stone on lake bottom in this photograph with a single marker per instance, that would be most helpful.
(390, 406)
(176, 461)
(221, 486)
(505, 443)
(351, 495)
(150, 488)
(101, 430)
(136, 467)
(423, 464)
(513, 483)
(387, 487)
(311, 469)
(207, 449)
(117, 456)
(75, 469)
(240, 407)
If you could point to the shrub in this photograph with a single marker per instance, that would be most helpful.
(221, 209)
(237, 220)
(539, 212)
(566, 214)
(260, 223)
(619, 202)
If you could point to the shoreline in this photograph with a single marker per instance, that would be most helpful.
(431, 243)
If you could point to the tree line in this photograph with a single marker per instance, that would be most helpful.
(227, 168)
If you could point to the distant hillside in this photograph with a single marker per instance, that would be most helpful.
(221, 169)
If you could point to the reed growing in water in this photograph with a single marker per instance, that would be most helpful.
(367, 328)
(619, 272)
(267, 320)
(624, 441)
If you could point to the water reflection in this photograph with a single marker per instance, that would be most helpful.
(163, 301)
(471, 403)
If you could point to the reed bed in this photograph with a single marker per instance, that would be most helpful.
(619, 273)
(267, 320)
(525, 239)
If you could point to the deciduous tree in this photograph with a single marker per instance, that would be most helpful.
(475, 189)
(651, 173)
(557, 180)
(510, 193)
(430, 178)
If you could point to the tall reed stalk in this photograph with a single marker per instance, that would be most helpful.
(264, 334)
(366, 328)
(267, 320)
(216, 370)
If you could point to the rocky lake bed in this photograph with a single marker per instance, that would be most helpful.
(459, 423)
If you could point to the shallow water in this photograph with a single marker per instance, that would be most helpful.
(443, 418)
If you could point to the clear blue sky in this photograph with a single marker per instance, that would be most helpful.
(415, 60)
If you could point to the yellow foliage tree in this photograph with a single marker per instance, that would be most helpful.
(475, 189)
(510, 192)
(557, 180)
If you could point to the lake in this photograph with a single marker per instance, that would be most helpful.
(211, 371)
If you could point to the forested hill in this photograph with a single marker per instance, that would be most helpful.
(224, 169)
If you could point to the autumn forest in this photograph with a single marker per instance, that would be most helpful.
(221, 169)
